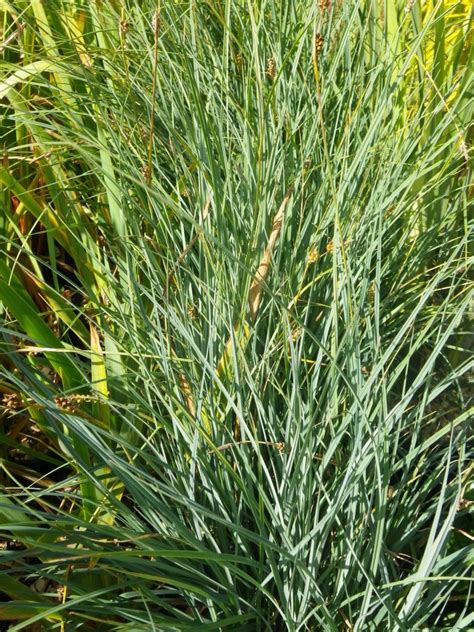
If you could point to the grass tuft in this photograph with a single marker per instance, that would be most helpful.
(235, 315)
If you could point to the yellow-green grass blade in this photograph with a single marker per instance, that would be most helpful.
(50, 47)
(99, 376)
(24, 75)
(54, 226)
(23, 309)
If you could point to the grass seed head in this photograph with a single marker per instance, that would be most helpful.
(296, 334)
(146, 173)
(318, 43)
(192, 311)
(239, 60)
(371, 292)
(71, 403)
(123, 27)
(271, 68)
(463, 148)
(65, 403)
(156, 23)
(12, 401)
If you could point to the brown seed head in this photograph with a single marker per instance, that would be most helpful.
(156, 23)
(371, 291)
(318, 43)
(123, 27)
(12, 401)
(71, 403)
(271, 68)
(463, 148)
(65, 403)
(296, 333)
(145, 170)
(61, 591)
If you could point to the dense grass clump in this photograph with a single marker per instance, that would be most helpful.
(235, 330)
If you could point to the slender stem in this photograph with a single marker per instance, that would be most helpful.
(156, 32)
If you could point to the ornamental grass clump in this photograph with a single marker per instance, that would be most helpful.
(236, 305)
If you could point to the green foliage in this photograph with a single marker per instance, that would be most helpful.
(235, 348)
